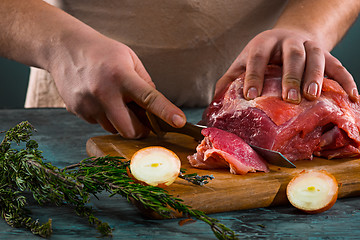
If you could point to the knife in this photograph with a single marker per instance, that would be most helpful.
(160, 128)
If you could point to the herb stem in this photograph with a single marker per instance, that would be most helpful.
(25, 171)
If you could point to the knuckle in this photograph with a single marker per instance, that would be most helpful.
(252, 76)
(152, 101)
(164, 112)
(291, 80)
(237, 69)
(316, 73)
(149, 97)
(110, 70)
(257, 56)
(313, 46)
(99, 90)
(97, 94)
(296, 53)
(95, 89)
(316, 50)
(339, 67)
(84, 107)
(75, 105)
(342, 74)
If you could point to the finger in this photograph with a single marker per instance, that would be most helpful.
(293, 68)
(85, 112)
(335, 70)
(94, 117)
(106, 124)
(123, 120)
(258, 59)
(152, 100)
(314, 71)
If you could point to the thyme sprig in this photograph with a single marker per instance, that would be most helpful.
(195, 178)
(23, 170)
(110, 173)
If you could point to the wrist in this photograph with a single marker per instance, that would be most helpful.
(68, 44)
(308, 34)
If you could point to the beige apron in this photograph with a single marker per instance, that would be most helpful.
(185, 45)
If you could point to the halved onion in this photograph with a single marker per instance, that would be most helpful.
(313, 191)
(155, 166)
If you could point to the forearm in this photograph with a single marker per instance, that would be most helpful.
(96, 76)
(33, 32)
(325, 21)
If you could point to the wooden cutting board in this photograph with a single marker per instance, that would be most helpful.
(228, 192)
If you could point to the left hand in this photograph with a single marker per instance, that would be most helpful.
(304, 64)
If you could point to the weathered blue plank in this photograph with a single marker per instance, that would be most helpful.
(62, 137)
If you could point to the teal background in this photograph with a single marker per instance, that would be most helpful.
(14, 76)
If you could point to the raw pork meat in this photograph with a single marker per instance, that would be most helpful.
(221, 149)
(327, 127)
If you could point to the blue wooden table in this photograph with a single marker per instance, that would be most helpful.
(62, 138)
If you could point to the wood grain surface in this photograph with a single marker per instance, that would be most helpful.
(228, 192)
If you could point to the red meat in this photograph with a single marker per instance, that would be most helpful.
(327, 127)
(221, 149)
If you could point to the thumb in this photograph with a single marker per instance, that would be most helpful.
(235, 70)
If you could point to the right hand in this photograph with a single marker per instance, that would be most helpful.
(98, 76)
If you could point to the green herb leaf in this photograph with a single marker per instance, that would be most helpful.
(24, 170)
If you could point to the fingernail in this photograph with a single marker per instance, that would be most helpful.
(178, 120)
(355, 92)
(252, 93)
(313, 89)
(293, 95)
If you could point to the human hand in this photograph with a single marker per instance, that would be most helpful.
(99, 76)
(304, 64)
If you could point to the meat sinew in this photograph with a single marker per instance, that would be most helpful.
(221, 149)
(327, 127)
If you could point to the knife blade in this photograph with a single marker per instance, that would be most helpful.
(273, 157)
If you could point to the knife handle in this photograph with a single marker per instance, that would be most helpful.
(160, 127)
